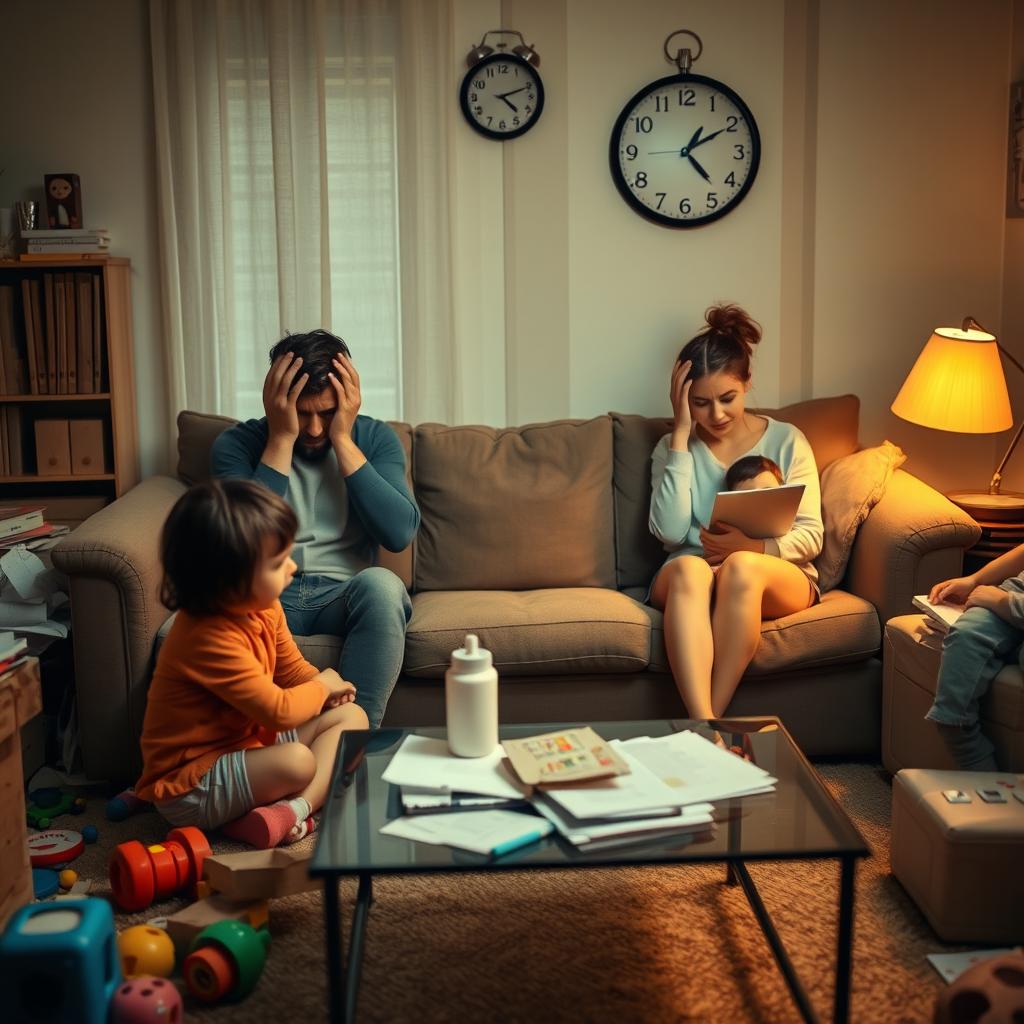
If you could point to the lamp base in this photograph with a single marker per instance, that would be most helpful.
(1005, 507)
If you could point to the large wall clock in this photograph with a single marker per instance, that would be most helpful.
(502, 95)
(685, 149)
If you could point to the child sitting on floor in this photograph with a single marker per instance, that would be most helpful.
(985, 638)
(240, 730)
(753, 471)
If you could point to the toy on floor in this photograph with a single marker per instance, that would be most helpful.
(146, 1000)
(992, 991)
(54, 846)
(259, 874)
(141, 874)
(68, 950)
(67, 878)
(145, 950)
(226, 961)
(185, 925)
(124, 805)
(45, 883)
(47, 804)
(90, 833)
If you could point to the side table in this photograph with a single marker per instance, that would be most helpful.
(20, 699)
(996, 539)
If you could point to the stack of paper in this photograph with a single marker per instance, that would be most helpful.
(31, 600)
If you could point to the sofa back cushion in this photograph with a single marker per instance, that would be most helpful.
(830, 425)
(519, 508)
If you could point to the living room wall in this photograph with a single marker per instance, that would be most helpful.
(877, 213)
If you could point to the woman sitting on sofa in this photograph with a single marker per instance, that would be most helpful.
(717, 584)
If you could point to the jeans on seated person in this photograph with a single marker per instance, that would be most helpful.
(974, 651)
(369, 612)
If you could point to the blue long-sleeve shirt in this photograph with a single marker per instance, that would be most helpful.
(342, 520)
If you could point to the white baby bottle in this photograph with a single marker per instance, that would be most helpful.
(471, 701)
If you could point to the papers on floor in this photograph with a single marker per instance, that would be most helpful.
(493, 833)
(31, 594)
(670, 788)
(952, 965)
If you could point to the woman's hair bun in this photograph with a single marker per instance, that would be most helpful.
(731, 320)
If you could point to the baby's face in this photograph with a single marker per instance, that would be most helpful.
(60, 188)
(763, 479)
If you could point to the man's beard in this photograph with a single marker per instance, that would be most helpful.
(309, 454)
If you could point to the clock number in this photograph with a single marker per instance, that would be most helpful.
(712, 98)
(712, 202)
(479, 84)
(529, 110)
(478, 110)
(473, 97)
(489, 120)
(661, 199)
(731, 121)
(631, 152)
(490, 71)
(641, 180)
(687, 98)
(643, 124)
(740, 152)
(730, 179)
(515, 122)
(502, 69)
(501, 125)
(684, 206)
(661, 104)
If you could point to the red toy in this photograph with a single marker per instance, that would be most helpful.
(141, 874)
(54, 846)
(146, 1000)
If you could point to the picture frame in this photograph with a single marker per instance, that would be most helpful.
(63, 201)
(1015, 153)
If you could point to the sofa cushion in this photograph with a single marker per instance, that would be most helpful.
(850, 489)
(570, 631)
(514, 509)
(829, 424)
(196, 433)
(840, 628)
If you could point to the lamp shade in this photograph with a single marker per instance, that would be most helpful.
(957, 384)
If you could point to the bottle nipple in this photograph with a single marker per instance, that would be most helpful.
(472, 645)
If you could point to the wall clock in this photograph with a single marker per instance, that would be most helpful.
(502, 95)
(685, 149)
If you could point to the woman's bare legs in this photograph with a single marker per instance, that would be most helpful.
(749, 587)
(682, 589)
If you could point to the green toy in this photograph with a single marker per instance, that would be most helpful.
(48, 804)
(226, 961)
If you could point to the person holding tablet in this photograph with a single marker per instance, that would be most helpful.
(717, 584)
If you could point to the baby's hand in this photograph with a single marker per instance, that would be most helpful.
(340, 691)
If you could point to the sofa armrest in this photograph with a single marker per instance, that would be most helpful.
(112, 562)
(913, 538)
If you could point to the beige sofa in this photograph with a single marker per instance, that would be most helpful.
(536, 539)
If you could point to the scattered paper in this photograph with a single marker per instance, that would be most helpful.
(426, 762)
(28, 575)
(486, 832)
(952, 965)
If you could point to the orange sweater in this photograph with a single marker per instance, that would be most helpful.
(221, 681)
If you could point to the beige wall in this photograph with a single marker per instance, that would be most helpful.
(78, 97)
(877, 213)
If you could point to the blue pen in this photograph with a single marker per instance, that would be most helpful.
(514, 844)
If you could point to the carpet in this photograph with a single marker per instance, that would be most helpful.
(622, 944)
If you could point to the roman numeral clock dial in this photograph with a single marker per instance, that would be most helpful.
(685, 150)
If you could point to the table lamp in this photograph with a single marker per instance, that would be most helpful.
(957, 384)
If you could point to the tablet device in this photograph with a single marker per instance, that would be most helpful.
(759, 513)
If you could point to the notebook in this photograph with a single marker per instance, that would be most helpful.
(761, 512)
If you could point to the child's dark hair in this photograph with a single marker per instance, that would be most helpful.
(317, 349)
(725, 344)
(750, 466)
(213, 542)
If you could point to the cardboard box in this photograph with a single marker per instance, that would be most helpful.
(53, 448)
(21, 698)
(87, 447)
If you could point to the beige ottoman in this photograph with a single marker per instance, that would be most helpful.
(910, 668)
(962, 863)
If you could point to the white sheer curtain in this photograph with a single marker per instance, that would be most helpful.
(278, 133)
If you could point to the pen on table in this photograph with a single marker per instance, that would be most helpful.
(515, 844)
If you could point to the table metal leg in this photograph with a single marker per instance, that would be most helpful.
(844, 951)
(360, 913)
(335, 951)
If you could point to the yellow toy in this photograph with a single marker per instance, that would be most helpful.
(67, 878)
(146, 950)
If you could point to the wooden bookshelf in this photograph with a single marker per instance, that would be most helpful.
(111, 402)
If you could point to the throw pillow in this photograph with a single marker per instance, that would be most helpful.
(850, 489)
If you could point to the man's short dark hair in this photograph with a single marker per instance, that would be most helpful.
(213, 542)
(317, 349)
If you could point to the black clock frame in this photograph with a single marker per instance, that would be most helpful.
(489, 133)
(619, 178)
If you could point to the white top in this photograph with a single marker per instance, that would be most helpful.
(684, 485)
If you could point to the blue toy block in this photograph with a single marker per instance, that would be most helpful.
(59, 963)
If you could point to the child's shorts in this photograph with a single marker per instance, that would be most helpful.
(221, 795)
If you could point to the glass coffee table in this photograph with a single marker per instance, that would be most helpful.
(799, 821)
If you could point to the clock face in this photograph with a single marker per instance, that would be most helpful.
(684, 151)
(502, 96)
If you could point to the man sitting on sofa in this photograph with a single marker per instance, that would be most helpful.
(344, 475)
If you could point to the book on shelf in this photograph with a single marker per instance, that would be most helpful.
(76, 249)
(565, 756)
(20, 518)
(5, 466)
(43, 233)
(71, 333)
(62, 257)
(31, 327)
(51, 334)
(97, 347)
(943, 614)
(44, 536)
(83, 286)
(59, 305)
(11, 417)
(14, 378)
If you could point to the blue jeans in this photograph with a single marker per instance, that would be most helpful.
(974, 651)
(369, 612)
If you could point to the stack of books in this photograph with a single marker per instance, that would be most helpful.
(594, 794)
(67, 241)
(24, 525)
(13, 651)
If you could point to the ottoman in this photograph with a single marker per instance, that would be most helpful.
(961, 863)
(910, 657)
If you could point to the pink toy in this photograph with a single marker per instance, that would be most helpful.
(146, 1000)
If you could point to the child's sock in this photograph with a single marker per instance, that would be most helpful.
(303, 829)
(265, 827)
(971, 748)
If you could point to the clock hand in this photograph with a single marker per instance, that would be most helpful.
(694, 138)
(511, 92)
(697, 167)
(707, 138)
(685, 151)
(509, 103)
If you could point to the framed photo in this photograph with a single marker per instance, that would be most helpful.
(1015, 153)
(63, 200)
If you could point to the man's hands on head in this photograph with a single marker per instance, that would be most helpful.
(345, 381)
(281, 389)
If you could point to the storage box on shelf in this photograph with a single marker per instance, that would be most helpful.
(67, 392)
